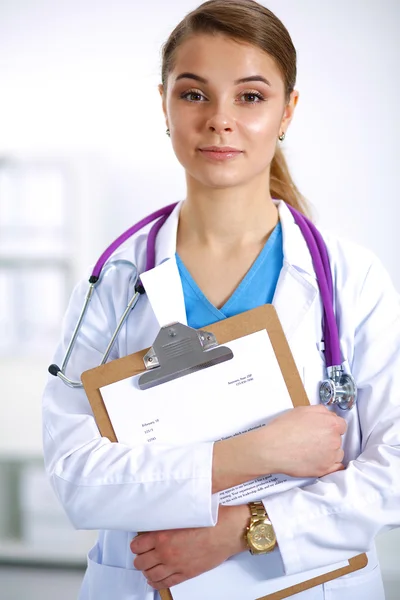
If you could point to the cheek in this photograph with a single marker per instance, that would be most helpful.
(183, 117)
(260, 138)
(184, 138)
(183, 149)
(264, 127)
(182, 132)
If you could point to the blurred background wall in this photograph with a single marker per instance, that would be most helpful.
(83, 154)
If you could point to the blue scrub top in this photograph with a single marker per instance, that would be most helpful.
(256, 288)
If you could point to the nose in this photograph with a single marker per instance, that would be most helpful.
(220, 122)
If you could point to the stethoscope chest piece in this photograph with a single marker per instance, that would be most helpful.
(339, 389)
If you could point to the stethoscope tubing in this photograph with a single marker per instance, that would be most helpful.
(321, 263)
(162, 212)
(320, 258)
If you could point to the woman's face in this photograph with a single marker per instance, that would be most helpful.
(225, 93)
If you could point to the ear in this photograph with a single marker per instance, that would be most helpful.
(289, 110)
(164, 104)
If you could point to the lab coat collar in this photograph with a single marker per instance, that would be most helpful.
(166, 237)
(295, 249)
(295, 291)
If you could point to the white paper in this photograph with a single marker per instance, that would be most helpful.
(221, 401)
(208, 405)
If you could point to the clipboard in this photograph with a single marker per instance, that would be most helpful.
(257, 319)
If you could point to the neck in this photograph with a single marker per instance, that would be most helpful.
(229, 217)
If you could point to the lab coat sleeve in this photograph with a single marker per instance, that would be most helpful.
(104, 485)
(339, 516)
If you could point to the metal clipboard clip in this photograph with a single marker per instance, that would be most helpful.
(179, 350)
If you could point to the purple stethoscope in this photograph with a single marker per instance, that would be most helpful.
(338, 389)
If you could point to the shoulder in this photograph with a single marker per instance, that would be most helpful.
(362, 282)
(132, 251)
(347, 252)
(117, 277)
(351, 263)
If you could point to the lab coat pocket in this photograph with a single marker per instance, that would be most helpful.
(103, 582)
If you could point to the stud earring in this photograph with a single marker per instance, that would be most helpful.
(282, 137)
(168, 133)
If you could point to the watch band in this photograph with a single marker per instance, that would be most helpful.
(257, 510)
(258, 515)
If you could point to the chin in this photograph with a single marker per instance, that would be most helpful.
(221, 183)
(219, 180)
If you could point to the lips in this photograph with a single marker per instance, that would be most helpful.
(219, 149)
(220, 153)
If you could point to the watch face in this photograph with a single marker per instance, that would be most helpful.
(261, 536)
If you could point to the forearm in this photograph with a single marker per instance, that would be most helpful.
(233, 463)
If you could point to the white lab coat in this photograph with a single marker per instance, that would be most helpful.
(119, 489)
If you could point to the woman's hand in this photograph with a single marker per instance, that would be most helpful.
(173, 556)
(305, 442)
(302, 442)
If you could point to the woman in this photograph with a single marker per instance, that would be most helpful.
(228, 97)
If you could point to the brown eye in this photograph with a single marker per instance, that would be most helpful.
(192, 96)
(252, 97)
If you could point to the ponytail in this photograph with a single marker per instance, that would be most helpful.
(282, 186)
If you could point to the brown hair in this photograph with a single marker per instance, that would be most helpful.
(248, 21)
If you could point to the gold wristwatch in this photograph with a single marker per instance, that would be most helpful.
(260, 534)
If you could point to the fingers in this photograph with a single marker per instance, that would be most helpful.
(340, 422)
(338, 464)
(342, 425)
(168, 582)
(340, 455)
(146, 561)
(334, 468)
(142, 543)
(158, 573)
(158, 576)
(319, 407)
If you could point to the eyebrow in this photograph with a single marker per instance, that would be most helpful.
(236, 82)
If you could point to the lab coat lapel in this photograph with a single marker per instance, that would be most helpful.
(163, 283)
(164, 290)
(297, 287)
(293, 299)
